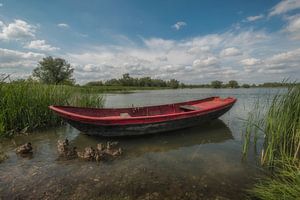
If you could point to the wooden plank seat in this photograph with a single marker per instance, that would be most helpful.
(189, 108)
(124, 115)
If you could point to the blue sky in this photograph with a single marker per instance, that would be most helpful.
(192, 41)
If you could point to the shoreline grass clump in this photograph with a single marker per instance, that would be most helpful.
(24, 106)
(282, 130)
(281, 148)
(283, 183)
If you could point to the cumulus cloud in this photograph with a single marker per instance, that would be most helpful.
(284, 6)
(250, 61)
(239, 55)
(17, 30)
(179, 25)
(231, 51)
(63, 25)
(281, 63)
(40, 45)
(159, 43)
(18, 62)
(246, 55)
(205, 62)
(288, 60)
(293, 27)
(254, 18)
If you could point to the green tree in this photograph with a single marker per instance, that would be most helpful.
(173, 83)
(112, 82)
(126, 80)
(246, 85)
(94, 83)
(216, 84)
(54, 71)
(233, 84)
(145, 82)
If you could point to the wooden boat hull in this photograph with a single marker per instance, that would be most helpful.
(143, 129)
(118, 122)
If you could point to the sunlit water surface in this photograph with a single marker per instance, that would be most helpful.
(203, 162)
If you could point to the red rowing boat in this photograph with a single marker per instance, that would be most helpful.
(143, 120)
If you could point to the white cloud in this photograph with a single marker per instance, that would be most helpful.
(17, 30)
(1, 4)
(158, 43)
(205, 62)
(231, 51)
(179, 25)
(198, 49)
(285, 62)
(193, 60)
(40, 45)
(287, 57)
(254, 18)
(246, 55)
(284, 6)
(293, 27)
(22, 62)
(63, 25)
(250, 61)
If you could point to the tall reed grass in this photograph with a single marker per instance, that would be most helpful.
(24, 106)
(281, 149)
(283, 183)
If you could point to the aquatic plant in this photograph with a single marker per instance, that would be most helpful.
(281, 148)
(24, 106)
(284, 183)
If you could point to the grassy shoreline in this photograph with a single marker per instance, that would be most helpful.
(24, 106)
(281, 149)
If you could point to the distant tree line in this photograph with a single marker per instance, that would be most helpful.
(235, 84)
(127, 80)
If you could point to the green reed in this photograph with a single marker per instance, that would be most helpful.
(280, 126)
(283, 183)
(24, 106)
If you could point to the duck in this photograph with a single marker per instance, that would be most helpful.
(110, 150)
(64, 149)
(87, 154)
(24, 148)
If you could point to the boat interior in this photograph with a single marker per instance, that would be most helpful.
(189, 106)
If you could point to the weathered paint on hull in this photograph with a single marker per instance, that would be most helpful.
(143, 129)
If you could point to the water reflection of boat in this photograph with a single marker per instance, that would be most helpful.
(144, 120)
(213, 132)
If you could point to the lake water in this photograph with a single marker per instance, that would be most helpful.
(203, 162)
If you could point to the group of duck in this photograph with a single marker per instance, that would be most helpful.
(65, 150)
(101, 152)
